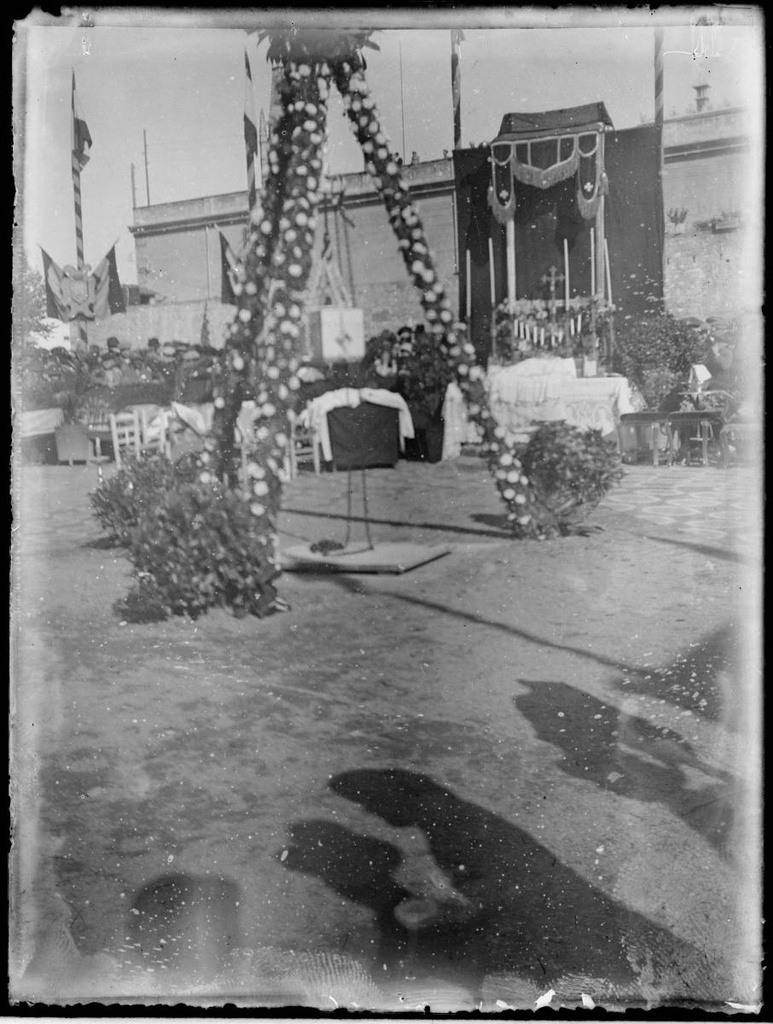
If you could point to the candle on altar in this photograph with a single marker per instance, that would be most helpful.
(579, 323)
(469, 283)
(566, 272)
(609, 272)
(542, 336)
(491, 272)
(593, 262)
(571, 328)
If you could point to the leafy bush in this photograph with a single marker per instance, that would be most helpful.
(202, 546)
(655, 353)
(194, 543)
(119, 501)
(570, 470)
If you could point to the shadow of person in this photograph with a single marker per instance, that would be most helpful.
(539, 920)
(630, 756)
(357, 867)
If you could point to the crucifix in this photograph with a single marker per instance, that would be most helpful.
(552, 278)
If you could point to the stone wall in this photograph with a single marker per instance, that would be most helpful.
(711, 274)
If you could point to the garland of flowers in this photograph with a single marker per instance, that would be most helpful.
(527, 517)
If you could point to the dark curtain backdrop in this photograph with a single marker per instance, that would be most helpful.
(544, 217)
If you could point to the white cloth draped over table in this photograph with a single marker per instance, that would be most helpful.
(539, 390)
(37, 422)
(314, 416)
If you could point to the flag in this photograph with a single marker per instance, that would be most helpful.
(229, 273)
(456, 83)
(251, 136)
(81, 136)
(56, 306)
(108, 293)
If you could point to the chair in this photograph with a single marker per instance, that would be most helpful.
(126, 432)
(96, 419)
(650, 424)
(154, 430)
(304, 446)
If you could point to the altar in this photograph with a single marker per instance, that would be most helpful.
(540, 390)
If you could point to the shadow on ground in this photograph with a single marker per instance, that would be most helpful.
(629, 756)
(534, 918)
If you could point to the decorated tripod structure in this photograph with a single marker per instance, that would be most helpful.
(264, 345)
(548, 169)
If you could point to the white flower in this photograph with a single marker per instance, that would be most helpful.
(294, 270)
(391, 167)
(219, 402)
(508, 494)
(268, 410)
(257, 509)
(520, 499)
(260, 488)
(245, 316)
(505, 459)
(237, 362)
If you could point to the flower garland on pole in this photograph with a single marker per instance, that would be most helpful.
(527, 516)
(262, 352)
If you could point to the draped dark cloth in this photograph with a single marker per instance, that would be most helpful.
(544, 217)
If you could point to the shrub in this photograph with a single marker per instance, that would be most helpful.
(118, 502)
(202, 546)
(570, 470)
(194, 545)
(656, 352)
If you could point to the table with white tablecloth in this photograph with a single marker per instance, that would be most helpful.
(540, 391)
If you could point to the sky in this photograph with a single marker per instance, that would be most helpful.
(171, 85)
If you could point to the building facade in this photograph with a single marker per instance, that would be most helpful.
(712, 199)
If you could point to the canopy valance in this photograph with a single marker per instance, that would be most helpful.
(543, 149)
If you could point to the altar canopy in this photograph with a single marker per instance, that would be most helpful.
(560, 154)
(541, 150)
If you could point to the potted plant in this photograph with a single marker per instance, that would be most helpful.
(72, 440)
(423, 376)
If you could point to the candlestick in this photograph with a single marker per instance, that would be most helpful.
(566, 272)
(469, 282)
(491, 272)
(542, 337)
(609, 272)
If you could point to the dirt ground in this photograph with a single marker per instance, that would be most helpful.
(523, 770)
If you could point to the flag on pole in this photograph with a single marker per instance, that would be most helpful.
(56, 306)
(251, 136)
(456, 83)
(229, 273)
(108, 293)
(81, 136)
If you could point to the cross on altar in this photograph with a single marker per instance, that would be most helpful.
(553, 278)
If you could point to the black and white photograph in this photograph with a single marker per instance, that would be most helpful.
(387, 510)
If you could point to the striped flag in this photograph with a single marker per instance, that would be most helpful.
(56, 306)
(81, 136)
(251, 136)
(230, 266)
(108, 293)
(456, 83)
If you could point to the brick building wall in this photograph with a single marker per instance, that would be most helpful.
(712, 165)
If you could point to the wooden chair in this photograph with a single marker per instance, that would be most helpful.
(96, 419)
(126, 431)
(154, 430)
(304, 447)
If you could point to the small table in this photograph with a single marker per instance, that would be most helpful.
(657, 423)
(699, 424)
